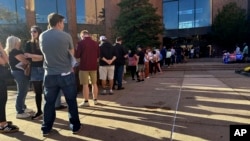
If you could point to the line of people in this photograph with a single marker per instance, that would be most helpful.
(51, 57)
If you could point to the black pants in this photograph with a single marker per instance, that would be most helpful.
(38, 88)
(132, 71)
(3, 100)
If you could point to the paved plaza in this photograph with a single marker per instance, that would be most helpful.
(194, 101)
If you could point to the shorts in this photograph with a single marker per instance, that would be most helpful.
(87, 77)
(37, 74)
(141, 67)
(106, 72)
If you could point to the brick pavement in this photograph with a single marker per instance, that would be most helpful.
(180, 104)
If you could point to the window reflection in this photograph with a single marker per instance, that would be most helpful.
(190, 14)
(170, 15)
(15, 6)
(44, 7)
(80, 12)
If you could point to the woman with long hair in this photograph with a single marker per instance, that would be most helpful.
(5, 126)
(17, 60)
(34, 54)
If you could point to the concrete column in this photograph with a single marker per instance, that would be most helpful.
(30, 12)
(71, 14)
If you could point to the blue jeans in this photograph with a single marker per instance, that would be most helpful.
(22, 83)
(52, 85)
(118, 75)
(58, 99)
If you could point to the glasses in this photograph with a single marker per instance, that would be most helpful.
(33, 31)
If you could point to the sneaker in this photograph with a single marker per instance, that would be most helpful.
(104, 92)
(77, 131)
(28, 110)
(111, 92)
(47, 133)
(37, 116)
(84, 104)
(23, 115)
(124, 82)
(120, 88)
(9, 128)
(95, 101)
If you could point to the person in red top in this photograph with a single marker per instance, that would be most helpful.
(88, 52)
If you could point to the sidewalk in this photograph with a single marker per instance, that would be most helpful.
(179, 104)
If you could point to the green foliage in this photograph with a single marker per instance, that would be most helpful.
(102, 16)
(138, 23)
(230, 25)
(10, 27)
(21, 31)
(6, 15)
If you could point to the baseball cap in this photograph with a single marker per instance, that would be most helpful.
(102, 38)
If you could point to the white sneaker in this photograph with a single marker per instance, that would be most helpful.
(28, 110)
(83, 104)
(23, 115)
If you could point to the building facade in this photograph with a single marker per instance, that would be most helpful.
(181, 18)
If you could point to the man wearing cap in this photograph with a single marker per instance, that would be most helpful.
(106, 64)
(88, 52)
(57, 48)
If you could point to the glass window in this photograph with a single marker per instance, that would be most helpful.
(181, 14)
(62, 9)
(80, 12)
(202, 13)
(15, 6)
(170, 15)
(43, 8)
(21, 11)
(186, 14)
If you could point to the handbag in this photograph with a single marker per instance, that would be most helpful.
(27, 69)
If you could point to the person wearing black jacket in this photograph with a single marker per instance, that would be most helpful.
(121, 55)
(106, 64)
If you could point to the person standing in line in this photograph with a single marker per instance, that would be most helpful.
(5, 126)
(121, 55)
(245, 52)
(168, 57)
(58, 50)
(132, 63)
(172, 55)
(146, 62)
(88, 52)
(106, 62)
(141, 68)
(16, 61)
(33, 52)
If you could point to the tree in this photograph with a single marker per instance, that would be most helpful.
(230, 26)
(8, 26)
(138, 24)
(6, 15)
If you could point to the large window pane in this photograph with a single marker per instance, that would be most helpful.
(80, 12)
(21, 11)
(186, 14)
(202, 13)
(10, 6)
(43, 8)
(62, 9)
(170, 15)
